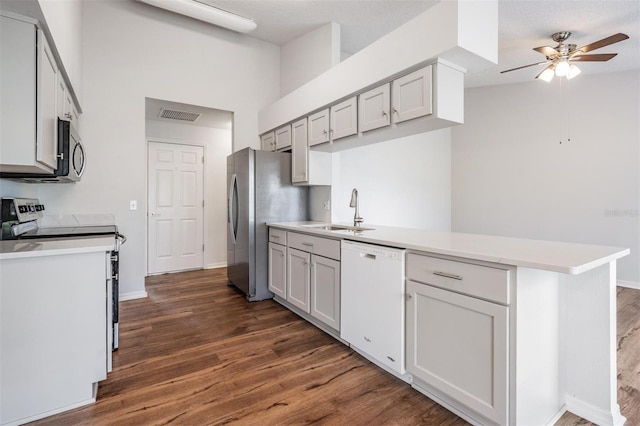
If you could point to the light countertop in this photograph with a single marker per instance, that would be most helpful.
(568, 258)
(16, 249)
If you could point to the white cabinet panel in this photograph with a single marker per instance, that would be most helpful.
(298, 278)
(283, 137)
(268, 141)
(28, 105)
(374, 107)
(278, 269)
(344, 119)
(459, 345)
(412, 95)
(325, 290)
(299, 152)
(47, 142)
(319, 127)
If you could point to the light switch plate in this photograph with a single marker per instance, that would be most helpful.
(327, 205)
(133, 204)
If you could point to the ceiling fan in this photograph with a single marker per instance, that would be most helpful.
(560, 58)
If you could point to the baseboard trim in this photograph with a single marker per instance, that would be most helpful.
(133, 295)
(595, 414)
(216, 265)
(628, 284)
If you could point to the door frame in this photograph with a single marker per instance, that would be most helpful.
(205, 189)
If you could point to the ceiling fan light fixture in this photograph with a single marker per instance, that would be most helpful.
(562, 68)
(547, 75)
(573, 71)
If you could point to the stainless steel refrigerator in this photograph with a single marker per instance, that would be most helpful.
(259, 191)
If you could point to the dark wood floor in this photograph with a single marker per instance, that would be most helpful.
(195, 352)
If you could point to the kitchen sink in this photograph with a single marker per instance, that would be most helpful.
(341, 228)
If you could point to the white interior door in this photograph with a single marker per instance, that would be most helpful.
(175, 215)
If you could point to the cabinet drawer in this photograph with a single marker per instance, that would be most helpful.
(277, 236)
(476, 280)
(317, 245)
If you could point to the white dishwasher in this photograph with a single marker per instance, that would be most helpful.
(373, 302)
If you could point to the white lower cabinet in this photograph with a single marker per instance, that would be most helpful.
(305, 273)
(325, 290)
(278, 269)
(457, 344)
(298, 278)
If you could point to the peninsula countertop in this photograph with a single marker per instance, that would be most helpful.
(568, 258)
(15, 249)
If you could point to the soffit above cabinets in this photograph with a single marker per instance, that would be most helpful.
(461, 32)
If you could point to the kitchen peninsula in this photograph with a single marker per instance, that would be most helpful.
(55, 325)
(498, 330)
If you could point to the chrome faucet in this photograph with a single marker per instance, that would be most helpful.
(357, 220)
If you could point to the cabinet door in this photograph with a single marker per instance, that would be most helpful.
(47, 139)
(283, 137)
(325, 290)
(344, 119)
(374, 108)
(268, 141)
(278, 269)
(459, 345)
(412, 95)
(319, 127)
(298, 278)
(299, 152)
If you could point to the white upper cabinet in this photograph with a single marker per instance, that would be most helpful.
(283, 137)
(319, 127)
(268, 141)
(299, 152)
(28, 106)
(344, 119)
(374, 108)
(411, 95)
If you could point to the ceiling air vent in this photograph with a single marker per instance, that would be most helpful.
(172, 114)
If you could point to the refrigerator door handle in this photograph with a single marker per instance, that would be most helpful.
(231, 212)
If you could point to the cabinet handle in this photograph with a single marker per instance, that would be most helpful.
(444, 274)
(276, 237)
(308, 244)
(395, 111)
(324, 132)
(407, 296)
(68, 115)
(384, 113)
(60, 156)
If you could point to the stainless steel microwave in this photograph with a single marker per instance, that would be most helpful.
(71, 159)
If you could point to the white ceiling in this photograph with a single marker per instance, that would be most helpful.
(523, 25)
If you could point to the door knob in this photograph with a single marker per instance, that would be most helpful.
(154, 214)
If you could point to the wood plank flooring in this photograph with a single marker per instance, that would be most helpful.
(195, 352)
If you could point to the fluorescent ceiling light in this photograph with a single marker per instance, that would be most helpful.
(206, 13)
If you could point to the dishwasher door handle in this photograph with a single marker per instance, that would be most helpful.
(368, 256)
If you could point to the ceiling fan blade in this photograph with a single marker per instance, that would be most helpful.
(604, 42)
(602, 57)
(546, 51)
(524, 66)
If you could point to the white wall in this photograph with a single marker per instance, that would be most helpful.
(402, 182)
(512, 177)
(308, 56)
(132, 51)
(217, 146)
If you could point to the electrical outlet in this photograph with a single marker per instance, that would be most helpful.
(133, 204)
(327, 205)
